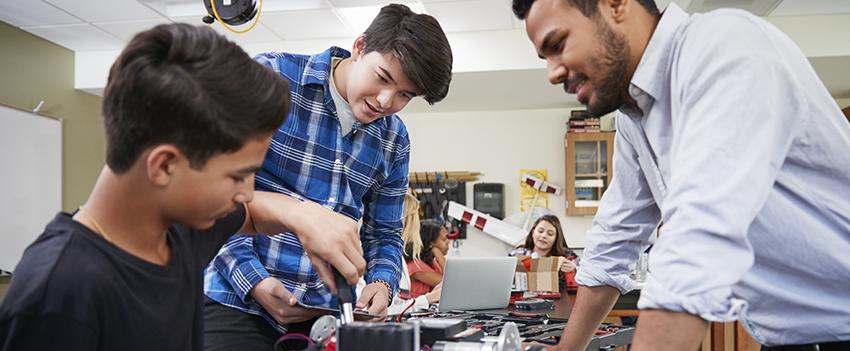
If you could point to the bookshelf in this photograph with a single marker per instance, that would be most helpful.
(588, 160)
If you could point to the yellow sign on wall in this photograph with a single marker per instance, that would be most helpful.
(527, 193)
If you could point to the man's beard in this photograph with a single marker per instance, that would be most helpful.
(612, 63)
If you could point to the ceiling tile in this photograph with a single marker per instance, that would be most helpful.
(758, 7)
(258, 34)
(292, 5)
(78, 37)
(127, 29)
(307, 24)
(489, 15)
(106, 10)
(811, 7)
(359, 3)
(24, 13)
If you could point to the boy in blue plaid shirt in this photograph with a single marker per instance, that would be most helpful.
(342, 156)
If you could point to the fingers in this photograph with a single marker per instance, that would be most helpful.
(366, 297)
(287, 296)
(325, 272)
(346, 267)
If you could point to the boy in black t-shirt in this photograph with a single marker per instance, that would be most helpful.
(188, 118)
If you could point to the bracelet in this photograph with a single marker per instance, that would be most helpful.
(389, 290)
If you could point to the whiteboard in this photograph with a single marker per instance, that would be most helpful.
(30, 179)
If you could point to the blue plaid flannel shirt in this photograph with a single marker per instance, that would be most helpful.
(362, 175)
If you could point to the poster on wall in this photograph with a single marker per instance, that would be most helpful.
(527, 193)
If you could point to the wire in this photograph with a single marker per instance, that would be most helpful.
(256, 19)
(413, 302)
(292, 336)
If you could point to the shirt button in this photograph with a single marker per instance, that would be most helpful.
(332, 200)
(338, 161)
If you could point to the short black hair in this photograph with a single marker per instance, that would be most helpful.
(589, 8)
(188, 86)
(429, 231)
(419, 43)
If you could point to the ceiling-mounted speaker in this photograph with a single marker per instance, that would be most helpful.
(232, 12)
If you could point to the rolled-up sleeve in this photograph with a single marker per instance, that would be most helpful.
(739, 109)
(623, 224)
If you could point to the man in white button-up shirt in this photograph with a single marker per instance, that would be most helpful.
(726, 134)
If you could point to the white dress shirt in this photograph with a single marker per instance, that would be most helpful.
(738, 147)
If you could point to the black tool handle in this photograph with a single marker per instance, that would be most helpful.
(343, 289)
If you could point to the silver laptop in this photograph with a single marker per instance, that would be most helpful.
(477, 283)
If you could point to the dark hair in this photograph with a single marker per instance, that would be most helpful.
(559, 248)
(191, 87)
(418, 41)
(429, 231)
(589, 8)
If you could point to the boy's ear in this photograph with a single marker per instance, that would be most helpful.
(359, 47)
(161, 163)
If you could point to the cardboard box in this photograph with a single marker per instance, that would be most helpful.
(541, 274)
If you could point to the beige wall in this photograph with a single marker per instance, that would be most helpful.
(498, 144)
(34, 69)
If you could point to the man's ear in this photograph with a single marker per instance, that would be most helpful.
(359, 47)
(617, 10)
(161, 162)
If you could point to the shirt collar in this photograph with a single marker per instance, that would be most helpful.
(318, 67)
(648, 82)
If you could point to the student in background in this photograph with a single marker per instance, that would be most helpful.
(426, 265)
(546, 239)
(124, 272)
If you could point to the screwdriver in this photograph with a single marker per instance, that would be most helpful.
(345, 298)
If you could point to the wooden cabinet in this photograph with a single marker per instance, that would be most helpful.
(588, 161)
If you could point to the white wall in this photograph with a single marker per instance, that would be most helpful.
(498, 144)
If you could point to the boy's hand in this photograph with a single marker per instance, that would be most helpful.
(329, 237)
(375, 298)
(280, 303)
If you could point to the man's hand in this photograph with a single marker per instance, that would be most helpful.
(566, 265)
(328, 237)
(375, 298)
(280, 303)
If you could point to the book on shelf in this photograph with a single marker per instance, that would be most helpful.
(589, 183)
(587, 203)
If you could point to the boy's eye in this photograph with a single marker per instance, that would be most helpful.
(382, 78)
(407, 96)
(238, 179)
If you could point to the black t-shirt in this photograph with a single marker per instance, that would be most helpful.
(73, 290)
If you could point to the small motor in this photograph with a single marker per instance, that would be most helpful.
(508, 340)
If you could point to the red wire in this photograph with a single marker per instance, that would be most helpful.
(298, 335)
(405, 310)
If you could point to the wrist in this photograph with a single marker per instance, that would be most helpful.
(389, 290)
